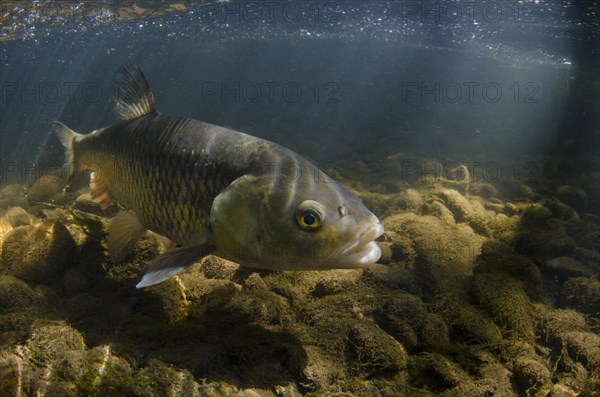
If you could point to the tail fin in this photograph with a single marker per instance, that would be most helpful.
(133, 98)
(67, 137)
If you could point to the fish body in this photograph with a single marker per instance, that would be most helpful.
(212, 190)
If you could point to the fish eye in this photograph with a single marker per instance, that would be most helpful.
(309, 215)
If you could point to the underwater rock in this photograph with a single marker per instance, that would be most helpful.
(14, 294)
(457, 204)
(17, 216)
(507, 303)
(560, 210)
(556, 322)
(85, 203)
(44, 188)
(591, 241)
(318, 372)
(474, 325)
(573, 196)
(436, 372)
(13, 195)
(531, 375)
(402, 316)
(443, 253)
(472, 213)
(483, 189)
(218, 268)
(585, 348)
(536, 215)
(544, 243)
(497, 256)
(410, 200)
(564, 267)
(374, 350)
(434, 336)
(439, 210)
(38, 253)
(589, 258)
(582, 293)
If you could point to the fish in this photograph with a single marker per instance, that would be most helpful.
(210, 190)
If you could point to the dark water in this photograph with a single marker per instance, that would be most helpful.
(462, 81)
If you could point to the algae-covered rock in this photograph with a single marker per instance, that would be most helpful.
(444, 253)
(474, 325)
(14, 294)
(85, 203)
(215, 267)
(536, 215)
(17, 216)
(507, 303)
(436, 372)
(374, 350)
(544, 243)
(439, 210)
(457, 203)
(38, 253)
(560, 210)
(531, 375)
(320, 371)
(564, 267)
(434, 335)
(44, 188)
(13, 195)
(582, 293)
(497, 256)
(573, 196)
(585, 348)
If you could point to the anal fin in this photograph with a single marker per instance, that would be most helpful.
(100, 191)
(123, 233)
(172, 262)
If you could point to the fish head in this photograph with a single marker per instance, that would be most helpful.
(308, 222)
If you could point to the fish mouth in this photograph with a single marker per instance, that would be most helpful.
(363, 251)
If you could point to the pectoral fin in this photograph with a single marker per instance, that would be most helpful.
(123, 233)
(172, 262)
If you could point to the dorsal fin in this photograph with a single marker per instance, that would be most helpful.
(133, 98)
